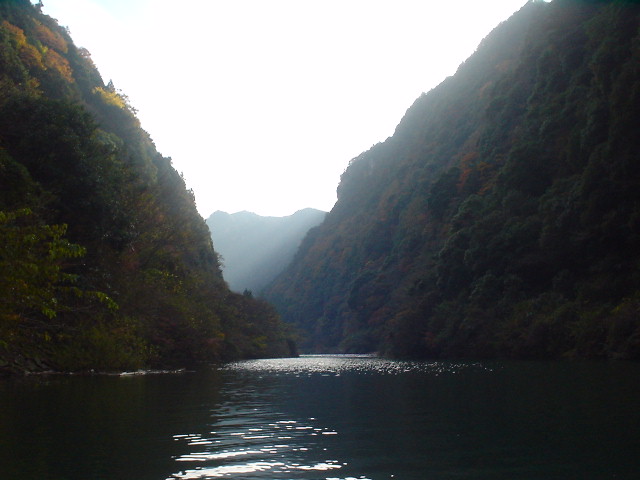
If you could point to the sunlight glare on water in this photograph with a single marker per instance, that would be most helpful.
(307, 365)
(251, 438)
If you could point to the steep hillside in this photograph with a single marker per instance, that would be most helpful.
(104, 260)
(255, 249)
(502, 218)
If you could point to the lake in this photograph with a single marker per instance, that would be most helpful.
(328, 417)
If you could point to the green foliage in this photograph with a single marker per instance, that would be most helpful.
(37, 292)
(105, 344)
(31, 259)
(502, 218)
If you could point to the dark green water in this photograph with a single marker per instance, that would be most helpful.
(329, 417)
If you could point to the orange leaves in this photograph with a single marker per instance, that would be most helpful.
(41, 56)
(27, 52)
(55, 61)
(51, 39)
(31, 56)
(16, 32)
(476, 176)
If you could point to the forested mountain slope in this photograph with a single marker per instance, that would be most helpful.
(104, 260)
(502, 218)
(254, 248)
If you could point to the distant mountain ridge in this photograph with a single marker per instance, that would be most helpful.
(256, 248)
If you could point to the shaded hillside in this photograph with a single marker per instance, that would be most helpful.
(502, 218)
(255, 249)
(104, 260)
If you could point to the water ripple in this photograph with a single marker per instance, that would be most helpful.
(334, 365)
(250, 437)
(241, 447)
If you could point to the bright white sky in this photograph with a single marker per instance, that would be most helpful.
(262, 103)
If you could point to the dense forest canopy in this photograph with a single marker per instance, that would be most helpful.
(502, 218)
(104, 261)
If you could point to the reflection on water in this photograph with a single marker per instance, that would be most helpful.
(254, 438)
(336, 364)
(254, 441)
(326, 418)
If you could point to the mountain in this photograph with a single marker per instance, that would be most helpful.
(502, 218)
(254, 249)
(104, 261)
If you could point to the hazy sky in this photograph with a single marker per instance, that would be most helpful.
(262, 103)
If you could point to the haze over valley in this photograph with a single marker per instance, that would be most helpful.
(255, 249)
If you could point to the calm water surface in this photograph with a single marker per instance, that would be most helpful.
(328, 417)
